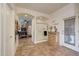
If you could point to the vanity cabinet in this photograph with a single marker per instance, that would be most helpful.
(53, 39)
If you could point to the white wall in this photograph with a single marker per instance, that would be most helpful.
(9, 25)
(58, 16)
(0, 29)
(8, 34)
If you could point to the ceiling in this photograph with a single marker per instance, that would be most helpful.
(47, 8)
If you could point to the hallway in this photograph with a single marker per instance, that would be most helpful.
(27, 48)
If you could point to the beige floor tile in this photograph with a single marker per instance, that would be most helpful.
(27, 48)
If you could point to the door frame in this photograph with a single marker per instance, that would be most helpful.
(32, 25)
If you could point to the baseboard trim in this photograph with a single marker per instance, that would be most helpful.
(73, 48)
(40, 41)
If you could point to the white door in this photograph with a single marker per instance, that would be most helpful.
(10, 33)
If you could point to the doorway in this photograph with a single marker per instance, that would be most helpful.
(24, 27)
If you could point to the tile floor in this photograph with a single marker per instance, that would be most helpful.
(27, 48)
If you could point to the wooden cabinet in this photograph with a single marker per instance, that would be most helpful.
(53, 39)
